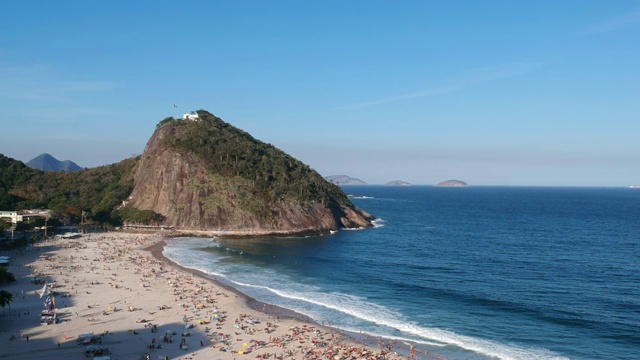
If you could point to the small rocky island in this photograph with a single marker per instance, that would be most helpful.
(452, 183)
(397, 183)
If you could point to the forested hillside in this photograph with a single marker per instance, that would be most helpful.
(196, 174)
(233, 153)
(203, 174)
(96, 191)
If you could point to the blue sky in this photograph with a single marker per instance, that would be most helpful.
(489, 92)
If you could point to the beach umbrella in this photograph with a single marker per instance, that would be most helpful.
(244, 345)
(213, 340)
(241, 352)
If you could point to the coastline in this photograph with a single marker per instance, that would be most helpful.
(135, 302)
(157, 251)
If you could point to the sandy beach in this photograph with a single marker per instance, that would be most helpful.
(115, 294)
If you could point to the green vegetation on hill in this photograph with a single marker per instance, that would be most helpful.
(268, 173)
(255, 175)
(96, 191)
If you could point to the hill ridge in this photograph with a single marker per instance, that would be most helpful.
(47, 162)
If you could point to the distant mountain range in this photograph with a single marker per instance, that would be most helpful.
(47, 162)
(344, 180)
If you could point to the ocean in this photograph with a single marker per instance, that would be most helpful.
(465, 273)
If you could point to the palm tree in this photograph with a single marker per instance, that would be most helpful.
(5, 299)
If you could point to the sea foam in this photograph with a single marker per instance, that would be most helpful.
(330, 308)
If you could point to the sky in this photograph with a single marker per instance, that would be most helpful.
(516, 93)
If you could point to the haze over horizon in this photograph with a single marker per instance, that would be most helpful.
(540, 93)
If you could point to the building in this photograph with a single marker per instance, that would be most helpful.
(15, 217)
(191, 117)
(11, 216)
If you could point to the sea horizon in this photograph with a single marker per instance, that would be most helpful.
(489, 272)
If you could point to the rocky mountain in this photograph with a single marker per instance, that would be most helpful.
(452, 183)
(47, 162)
(204, 176)
(397, 183)
(344, 180)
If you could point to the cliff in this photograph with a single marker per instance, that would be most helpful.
(207, 177)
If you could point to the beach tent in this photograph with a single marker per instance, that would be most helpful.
(45, 290)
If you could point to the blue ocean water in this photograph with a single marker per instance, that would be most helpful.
(466, 273)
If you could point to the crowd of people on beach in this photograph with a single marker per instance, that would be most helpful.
(138, 302)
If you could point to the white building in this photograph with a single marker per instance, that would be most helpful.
(191, 117)
(13, 216)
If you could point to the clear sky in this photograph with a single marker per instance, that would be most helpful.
(488, 92)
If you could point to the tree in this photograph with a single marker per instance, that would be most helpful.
(5, 299)
(6, 276)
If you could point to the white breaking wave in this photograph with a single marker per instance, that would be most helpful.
(358, 308)
(377, 223)
(310, 301)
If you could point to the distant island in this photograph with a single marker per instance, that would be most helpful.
(452, 183)
(344, 180)
(46, 162)
(398, 183)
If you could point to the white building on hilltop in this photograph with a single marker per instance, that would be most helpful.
(191, 117)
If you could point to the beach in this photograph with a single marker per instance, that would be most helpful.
(115, 294)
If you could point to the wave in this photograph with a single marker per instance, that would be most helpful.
(362, 197)
(331, 307)
(356, 307)
(378, 223)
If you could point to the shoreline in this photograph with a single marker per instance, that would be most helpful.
(402, 348)
(157, 251)
(135, 302)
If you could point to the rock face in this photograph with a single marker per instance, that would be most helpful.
(344, 180)
(452, 183)
(207, 177)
